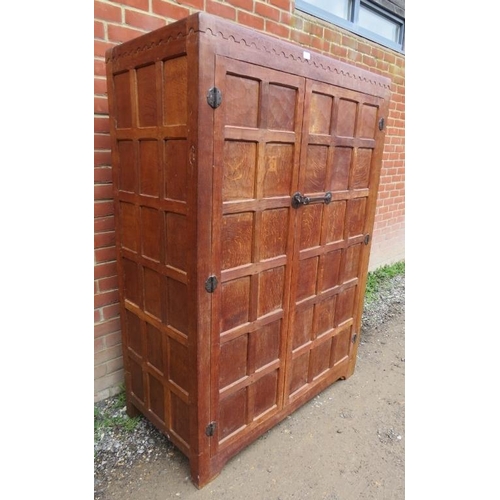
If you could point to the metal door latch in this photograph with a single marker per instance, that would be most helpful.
(298, 199)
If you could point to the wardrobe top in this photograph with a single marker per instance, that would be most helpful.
(229, 38)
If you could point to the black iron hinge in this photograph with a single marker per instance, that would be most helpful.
(381, 124)
(214, 97)
(211, 284)
(210, 430)
(354, 337)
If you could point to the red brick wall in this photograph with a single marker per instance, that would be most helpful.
(116, 22)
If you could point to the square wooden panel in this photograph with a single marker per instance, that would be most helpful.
(156, 397)
(273, 236)
(324, 316)
(147, 96)
(361, 169)
(237, 239)
(299, 372)
(175, 88)
(232, 413)
(307, 278)
(341, 346)
(239, 166)
(331, 270)
(316, 169)
(131, 289)
(281, 107)
(271, 290)
(320, 117)
(368, 121)
(133, 332)
(123, 112)
(266, 344)
(129, 227)
(176, 245)
(342, 159)
(235, 303)
(302, 326)
(310, 226)
(152, 293)
(176, 160)
(176, 306)
(136, 379)
(265, 393)
(277, 176)
(149, 167)
(151, 233)
(350, 263)
(155, 348)
(355, 217)
(345, 302)
(334, 219)
(320, 359)
(179, 418)
(233, 361)
(127, 174)
(346, 118)
(242, 101)
(178, 364)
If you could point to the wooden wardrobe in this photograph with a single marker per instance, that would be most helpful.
(245, 173)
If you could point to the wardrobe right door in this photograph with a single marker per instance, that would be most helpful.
(341, 149)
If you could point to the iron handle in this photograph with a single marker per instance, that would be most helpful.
(298, 199)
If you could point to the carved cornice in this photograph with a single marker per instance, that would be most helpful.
(297, 58)
(356, 73)
(147, 46)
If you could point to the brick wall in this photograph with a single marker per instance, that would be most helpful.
(116, 22)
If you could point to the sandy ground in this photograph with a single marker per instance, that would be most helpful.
(348, 443)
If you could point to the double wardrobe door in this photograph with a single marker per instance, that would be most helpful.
(296, 166)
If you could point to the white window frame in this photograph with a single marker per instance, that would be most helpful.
(352, 23)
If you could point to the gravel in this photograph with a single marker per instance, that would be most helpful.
(389, 301)
(116, 449)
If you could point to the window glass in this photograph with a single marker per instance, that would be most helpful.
(377, 23)
(340, 8)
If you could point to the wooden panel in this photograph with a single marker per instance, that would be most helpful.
(175, 73)
(151, 233)
(149, 167)
(281, 108)
(127, 174)
(152, 293)
(175, 169)
(151, 193)
(146, 94)
(121, 90)
(242, 94)
(276, 179)
(237, 239)
(155, 347)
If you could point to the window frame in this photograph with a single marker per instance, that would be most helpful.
(352, 26)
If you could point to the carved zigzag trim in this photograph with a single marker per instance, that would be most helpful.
(151, 45)
(281, 53)
(262, 48)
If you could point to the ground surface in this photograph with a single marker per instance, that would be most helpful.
(347, 443)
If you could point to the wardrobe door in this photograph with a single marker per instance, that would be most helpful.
(256, 157)
(334, 203)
